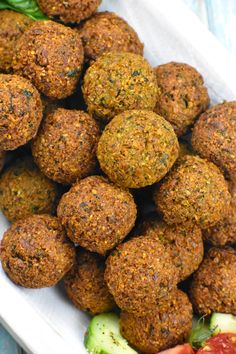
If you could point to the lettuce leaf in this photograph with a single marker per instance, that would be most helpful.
(27, 7)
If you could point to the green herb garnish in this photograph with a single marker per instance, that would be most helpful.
(199, 333)
(27, 7)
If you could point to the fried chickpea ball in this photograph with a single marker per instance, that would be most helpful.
(24, 191)
(214, 136)
(117, 82)
(20, 111)
(224, 232)
(35, 252)
(69, 11)
(51, 56)
(139, 274)
(194, 192)
(137, 149)
(65, 147)
(182, 96)
(2, 159)
(164, 327)
(85, 284)
(214, 283)
(183, 242)
(97, 214)
(12, 25)
(107, 32)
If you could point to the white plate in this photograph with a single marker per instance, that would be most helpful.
(44, 321)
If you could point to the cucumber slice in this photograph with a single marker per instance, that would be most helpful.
(103, 336)
(222, 323)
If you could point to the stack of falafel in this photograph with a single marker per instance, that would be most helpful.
(76, 197)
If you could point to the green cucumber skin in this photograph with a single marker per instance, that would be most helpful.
(96, 343)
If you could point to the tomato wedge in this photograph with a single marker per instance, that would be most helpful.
(180, 349)
(223, 343)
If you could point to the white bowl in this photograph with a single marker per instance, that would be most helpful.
(44, 321)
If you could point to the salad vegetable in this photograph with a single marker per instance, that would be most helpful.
(27, 7)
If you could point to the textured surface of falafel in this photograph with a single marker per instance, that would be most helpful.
(117, 82)
(195, 192)
(13, 24)
(35, 252)
(163, 328)
(65, 147)
(137, 148)
(2, 159)
(69, 11)
(97, 214)
(107, 32)
(20, 111)
(24, 191)
(51, 56)
(85, 284)
(139, 274)
(182, 241)
(214, 136)
(182, 95)
(214, 283)
(224, 232)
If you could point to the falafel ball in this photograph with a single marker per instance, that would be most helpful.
(182, 95)
(2, 159)
(224, 232)
(137, 149)
(184, 242)
(12, 25)
(51, 56)
(65, 147)
(164, 327)
(25, 191)
(70, 11)
(85, 284)
(107, 32)
(214, 136)
(214, 283)
(97, 214)
(20, 111)
(35, 252)
(117, 82)
(194, 192)
(139, 274)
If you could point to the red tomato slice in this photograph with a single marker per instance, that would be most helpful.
(180, 349)
(223, 343)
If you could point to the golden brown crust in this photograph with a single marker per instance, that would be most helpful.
(51, 56)
(214, 284)
(85, 284)
(163, 328)
(35, 252)
(214, 136)
(137, 148)
(20, 111)
(117, 82)
(25, 191)
(65, 147)
(70, 10)
(224, 232)
(182, 96)
(194, 192)
(107, 32)
(139, 274)
(13, 25)
(97, 214)
(184, 242)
